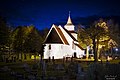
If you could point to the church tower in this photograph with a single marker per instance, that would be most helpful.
(69, 26)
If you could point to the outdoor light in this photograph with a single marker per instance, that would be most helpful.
(116, 49)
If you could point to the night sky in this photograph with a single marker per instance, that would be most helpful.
(43, 13)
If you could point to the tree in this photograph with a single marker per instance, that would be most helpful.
(33, 42)
(4, 33)
(19, 35)
(114, 31)
(93, 34)
(83, 37)
(26, 39)
(5, 39)
(102, 35)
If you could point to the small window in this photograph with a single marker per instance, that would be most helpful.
(49, 47)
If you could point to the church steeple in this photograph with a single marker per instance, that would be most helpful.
(69, 20)
(69, 26)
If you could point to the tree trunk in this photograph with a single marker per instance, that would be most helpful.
(21, 57)
(97, 49)
(94, 50)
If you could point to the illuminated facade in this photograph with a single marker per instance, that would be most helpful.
(62, 42)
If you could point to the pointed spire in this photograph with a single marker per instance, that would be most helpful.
(69, 13)
(69, 19)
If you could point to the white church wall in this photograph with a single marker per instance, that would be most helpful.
(60, 50)
(79, 52)
(57, 50)
(46, 51)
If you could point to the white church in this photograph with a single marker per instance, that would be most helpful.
(62, 42)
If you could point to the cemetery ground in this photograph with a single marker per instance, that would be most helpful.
(60, 70)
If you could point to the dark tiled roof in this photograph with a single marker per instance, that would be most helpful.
(53, 37)
(62, 36)
(56, 36)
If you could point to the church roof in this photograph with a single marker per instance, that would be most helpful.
(55, 35)
(62, 36)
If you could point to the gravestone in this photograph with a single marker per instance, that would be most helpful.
(71, 71)
(43, 68)
(96, 71)
(53, 60)
(59, 67)
(5, 68)
(79, 69)
(26, 67)
(49, 59)
(63, 59)
(80, 73)
(31, 77)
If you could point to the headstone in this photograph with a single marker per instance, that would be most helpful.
(53, 60)
(72, 71)
(71, 58)
(49, 59)
(66, 59)
(35, 66)
(107, 63)
(79, 69)
(19, 76)
(13, 73)
(5, 68)
(31, 77)
(25, 65)
(6, 59)
(59, 67)
(43, 68)
(63, 59)
(27, 68)
(80, 73)
(119, 62)
(95, 75)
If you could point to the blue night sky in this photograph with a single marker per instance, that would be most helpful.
(43, 13)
